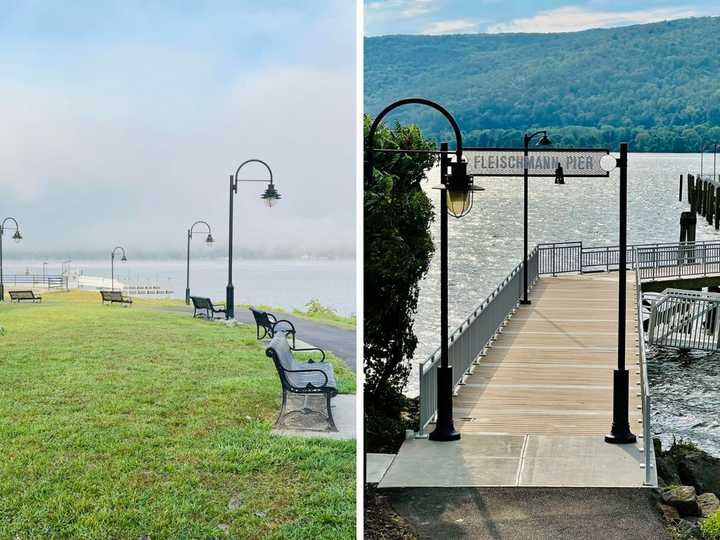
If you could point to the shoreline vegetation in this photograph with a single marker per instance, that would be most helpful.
(125, 422)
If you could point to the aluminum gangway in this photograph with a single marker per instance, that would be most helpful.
(685, 319)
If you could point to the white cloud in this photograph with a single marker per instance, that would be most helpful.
(388, 10)
(457, 26)
(574, 18)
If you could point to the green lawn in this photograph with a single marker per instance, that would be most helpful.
(119, 422)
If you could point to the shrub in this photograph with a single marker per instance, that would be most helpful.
(711, 527)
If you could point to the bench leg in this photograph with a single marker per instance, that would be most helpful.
(282, 409)
(331, 421)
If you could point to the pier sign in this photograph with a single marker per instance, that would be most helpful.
(540, 162)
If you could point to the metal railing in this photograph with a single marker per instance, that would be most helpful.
(653, 261)
(468, 341)
(49, 282)
(685, 320)
(648, 446)
(682, 259)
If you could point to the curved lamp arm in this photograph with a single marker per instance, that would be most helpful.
(9, 218)
(370, 139)
(120, 248)
(191, 230)
(235, 177)
(529, 138)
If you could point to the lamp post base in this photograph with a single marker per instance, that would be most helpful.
(229, 302)
(525, 302)
(444, 427)
(620, 432)
(187, 297)
(2, 292)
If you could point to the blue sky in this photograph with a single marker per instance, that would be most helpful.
(121, 121)
(492, 16)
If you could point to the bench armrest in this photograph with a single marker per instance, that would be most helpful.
(310, 371)
(278, 321)
(310, 349)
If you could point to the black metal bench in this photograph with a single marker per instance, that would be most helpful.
(305, 378)
(115, 297)
(270, 324)
(24, 296)
(203, 307)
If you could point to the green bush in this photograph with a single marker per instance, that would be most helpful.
(711, 527)
(398, 251)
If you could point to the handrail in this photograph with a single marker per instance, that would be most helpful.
(468, 341)
(653, 260)
(648, 446)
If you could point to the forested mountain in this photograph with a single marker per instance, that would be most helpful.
(656, 86)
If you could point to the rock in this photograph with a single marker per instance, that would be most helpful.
(708, 503)
(235, 503)
(657, 446)
(667, 470)
(224, 527)
(688, 529)
(669, 513)
(700, 470)
(683, 498)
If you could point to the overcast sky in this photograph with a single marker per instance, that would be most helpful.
(493, 16)
(121, 122)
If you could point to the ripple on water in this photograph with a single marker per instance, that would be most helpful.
(685, 390)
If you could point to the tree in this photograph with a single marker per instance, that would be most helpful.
(398, 251)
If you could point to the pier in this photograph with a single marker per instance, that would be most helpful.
(534, 383)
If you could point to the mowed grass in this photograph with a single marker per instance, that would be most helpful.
(119, 422)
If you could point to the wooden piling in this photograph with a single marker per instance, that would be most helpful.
(717, 208)
(691, 191)
(688, 222)
(710, 203)
(680, 189)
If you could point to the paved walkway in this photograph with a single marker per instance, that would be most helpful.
(530, 513)
(537, 406)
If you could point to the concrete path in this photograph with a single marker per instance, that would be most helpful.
(530, 513)
(488, 460)
(314, 424)
(331, 338)
(376, 465)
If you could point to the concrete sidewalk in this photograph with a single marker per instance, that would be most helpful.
(529, 513)
(496, 460)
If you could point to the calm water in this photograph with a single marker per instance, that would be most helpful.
(284, 283)
(486, 244)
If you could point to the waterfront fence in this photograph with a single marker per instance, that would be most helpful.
(34, 281)
(469, 340)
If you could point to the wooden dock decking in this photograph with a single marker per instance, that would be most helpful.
(550, 371)
(535, 409)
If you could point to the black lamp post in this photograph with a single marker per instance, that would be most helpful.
(208, 241)
(544, 141)
(270, 197)
(17, 237)
(456, 198)
(620, 432)
(112, 264)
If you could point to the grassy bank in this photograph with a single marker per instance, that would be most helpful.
(118, 423)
